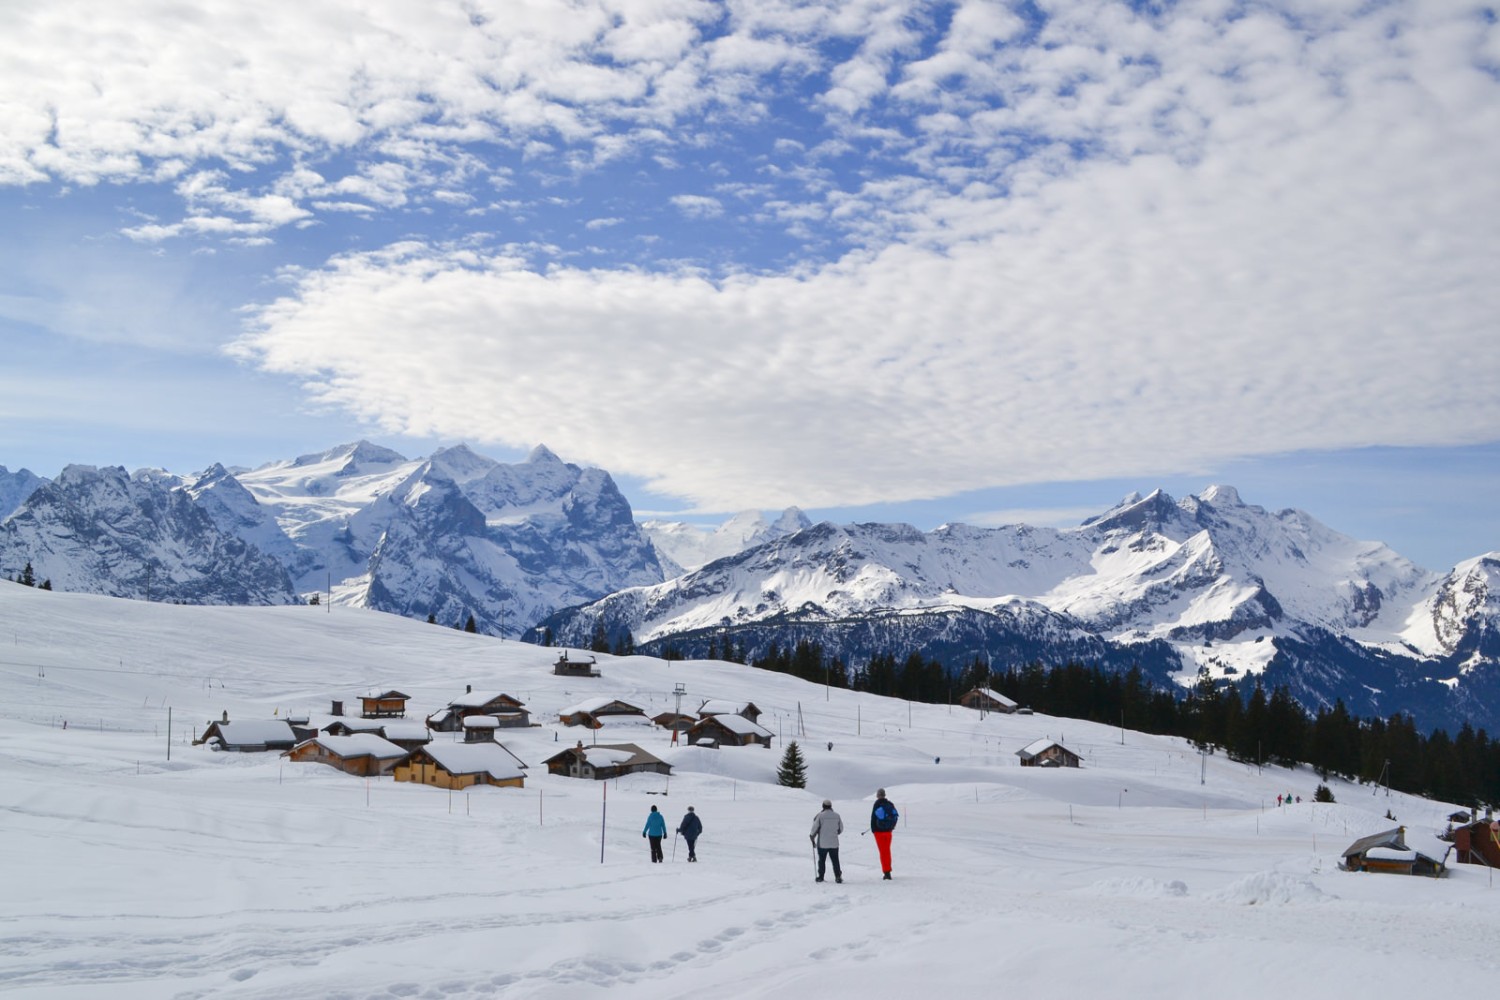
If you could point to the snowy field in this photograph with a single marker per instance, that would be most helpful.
(1148, 872)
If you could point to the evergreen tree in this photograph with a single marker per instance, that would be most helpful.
(793, 770)
(28, 576)
(599, 640)
(471, 625)
(431, 618)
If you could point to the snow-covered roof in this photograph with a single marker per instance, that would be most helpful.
(479, 699)
(721, 706)
(358, 724)
(1037, 746)
(405, 729)
(359, 745)
(593, 705)
(476, 758)
(255, 732)
(996, 697)
(481, 722)
(1390, 854)
(607, 756)
(741, 726)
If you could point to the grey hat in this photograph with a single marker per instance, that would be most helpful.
(827, 804)
(880, 793)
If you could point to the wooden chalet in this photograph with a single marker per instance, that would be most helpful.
(1477, 843)
(363, 754)
(986, 700)
(408, 734)
(591, 712)
(1048, 753)
(253, 735)
(728, 731)
(678, 722)
(720, 706)
(602, 762)
(565, 667)
(462, 765)
(1388, 852)
(385, 705)
(511, 712)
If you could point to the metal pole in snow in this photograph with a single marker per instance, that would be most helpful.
(603, 814)
(169, 732)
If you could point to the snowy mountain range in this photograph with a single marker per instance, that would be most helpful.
(1208, 583)
(449, 536)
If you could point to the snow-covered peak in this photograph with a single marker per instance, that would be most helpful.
(460, 463)
(691, 546)
(1221, 496)
(541, 454)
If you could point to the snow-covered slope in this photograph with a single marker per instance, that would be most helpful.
(137, 866)
(15, 487)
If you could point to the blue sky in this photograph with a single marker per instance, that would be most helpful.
(912, 260)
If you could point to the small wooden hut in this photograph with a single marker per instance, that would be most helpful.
(986, 700)
(721, 706)
(728, 730)
(1048, 753)
(363, 754)
(565, 667)
(604, 761)
(385, 705)
(1388, 852)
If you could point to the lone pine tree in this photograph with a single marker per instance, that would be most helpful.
(793, 770)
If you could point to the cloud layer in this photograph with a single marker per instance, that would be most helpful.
(1015, 243)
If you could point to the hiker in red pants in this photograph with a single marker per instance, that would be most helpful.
(882, 821)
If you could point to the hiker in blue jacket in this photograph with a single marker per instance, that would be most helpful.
(690, 827)
(882, 821)
(656, 829)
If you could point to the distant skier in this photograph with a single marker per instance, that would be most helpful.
(656, 829)
(883, 817)
(826, 828)
(690, 827)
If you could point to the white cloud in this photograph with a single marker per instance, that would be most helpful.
(697, 206)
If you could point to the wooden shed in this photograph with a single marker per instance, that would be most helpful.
(728, 730)
(1388, 852)
(678, 722)
(986, 700)
(1477, 843)
(364, 754)
(385, 705)
(565, 667)
(462, 765)
(604, 761)
(1048, 753)
(591, 711)
(721, 706)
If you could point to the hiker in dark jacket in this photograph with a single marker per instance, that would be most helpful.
(656, 829)
(826, 827)
(883, 816)
(690, 827)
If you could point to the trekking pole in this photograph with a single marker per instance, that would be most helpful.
(674, 846)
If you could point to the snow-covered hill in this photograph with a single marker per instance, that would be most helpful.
(138, 866)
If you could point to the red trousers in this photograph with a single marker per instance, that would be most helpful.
(883, 841)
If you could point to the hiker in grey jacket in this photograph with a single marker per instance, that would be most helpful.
(826, 828)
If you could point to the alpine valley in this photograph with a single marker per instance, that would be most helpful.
(1205, 585)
